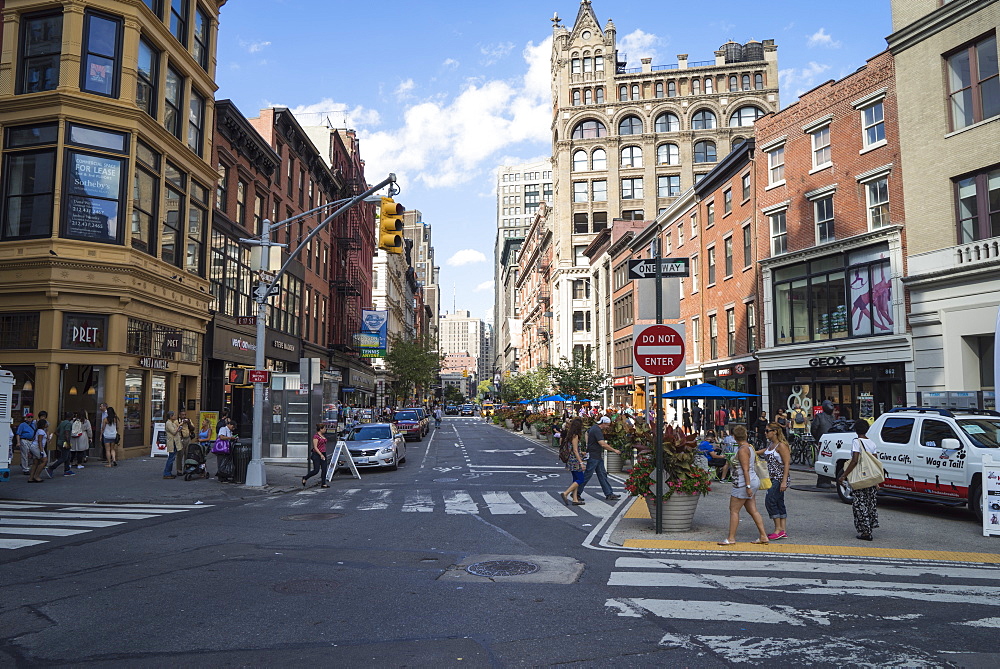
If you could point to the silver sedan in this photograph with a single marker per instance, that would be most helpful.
(375, 445)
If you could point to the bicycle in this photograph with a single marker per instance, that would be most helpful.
(803, 448)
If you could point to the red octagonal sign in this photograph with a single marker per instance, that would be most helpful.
(658, 350)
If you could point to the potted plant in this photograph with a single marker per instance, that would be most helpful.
(684, 480)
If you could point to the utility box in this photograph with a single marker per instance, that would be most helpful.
(6, 434)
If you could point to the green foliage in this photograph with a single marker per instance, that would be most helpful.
(482, 389)
(526, 385)
(412, 364)
(452, 395)
(683, 475)
(578, 377)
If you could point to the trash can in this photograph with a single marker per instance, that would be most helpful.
(241, 452)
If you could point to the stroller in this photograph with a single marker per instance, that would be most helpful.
(194, 460)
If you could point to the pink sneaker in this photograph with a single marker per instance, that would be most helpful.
(776, 535)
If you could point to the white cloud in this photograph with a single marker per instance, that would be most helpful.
(639, 44)
(339, 114)
(485, 287)
(803, 79)
(821, 38)
(405, 88)
(494, 52)
(254, 47)
(450, 63)
(447, 141)
(465, 257)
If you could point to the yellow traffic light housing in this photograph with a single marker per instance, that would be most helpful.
(390, 226)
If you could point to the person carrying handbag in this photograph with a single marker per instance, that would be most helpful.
(863, 500)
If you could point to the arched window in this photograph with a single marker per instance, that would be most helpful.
(704, 152)
(696, 87)
(588, 64)
(630, 125)
(580, 161)
(599, 95)
(703, 120)
(600, 159)
(623, 93)
(635, 91)
(744, 117)
(746, 82)
(588, 96)
(708, 85)
(589, 130)
(598, 63)
(758, 81)
(668, 154)
(671, 89)
(659, 89)
(576, 97)
(667, 123)
(733, 84)
(575, 66)
(736, 141)
(632, 156)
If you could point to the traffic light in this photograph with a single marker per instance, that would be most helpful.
(390, 234)
(237, 376)
(465, 373)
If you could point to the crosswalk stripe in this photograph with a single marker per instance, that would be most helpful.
(341, 500)
(709, 610)
(20, 543)
(379, 502)
(595, 506)
(64, 523)
(121, 508)
(85, 516)
(418, 502)
(8, 505)
(130, 505)
(501, 503)
(546, 505)
(456, 502)
(42, 531)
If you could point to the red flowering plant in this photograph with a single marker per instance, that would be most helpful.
(683, 474)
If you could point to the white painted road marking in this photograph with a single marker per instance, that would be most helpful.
(501, 503)
(418, 502)
(456, 502)
(546, 505)
(378, 502)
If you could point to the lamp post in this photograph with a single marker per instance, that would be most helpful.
(267, 287)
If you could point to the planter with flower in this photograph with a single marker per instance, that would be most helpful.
(684, 481)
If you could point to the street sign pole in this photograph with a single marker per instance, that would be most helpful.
(658, 443)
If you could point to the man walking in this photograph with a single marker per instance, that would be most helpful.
(596, 445)
(25, 435)
(64, 431)
(187, 432)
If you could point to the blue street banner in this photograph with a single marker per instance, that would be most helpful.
(373, 338)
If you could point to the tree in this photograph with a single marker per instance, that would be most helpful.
(578, 377)
(483, 389)
(526, 385)
(453, 395)
(412, 364)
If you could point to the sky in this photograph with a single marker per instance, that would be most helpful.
(443, 92)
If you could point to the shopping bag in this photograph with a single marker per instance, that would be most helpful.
(867, 471)
(760, 467)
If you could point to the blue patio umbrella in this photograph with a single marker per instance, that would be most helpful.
(552, 398)
(705, 391)
(525, 401)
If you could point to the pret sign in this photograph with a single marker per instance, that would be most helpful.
(658, 350)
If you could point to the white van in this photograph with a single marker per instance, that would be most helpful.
(928, 454)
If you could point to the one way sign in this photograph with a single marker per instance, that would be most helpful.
(669, 267)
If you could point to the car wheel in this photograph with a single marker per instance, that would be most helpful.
(976, 499)
(395, 462)
(419, 438)
(844, 489)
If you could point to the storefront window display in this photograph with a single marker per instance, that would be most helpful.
(132, 412)
(856, 391)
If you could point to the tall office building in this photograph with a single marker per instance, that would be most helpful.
(461, 333)
(419, 233)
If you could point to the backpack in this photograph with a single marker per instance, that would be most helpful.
(565, 450)
(77, 429)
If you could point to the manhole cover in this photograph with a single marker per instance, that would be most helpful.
(310, 586)
(445, 480)
(502, 568)
(313, 516)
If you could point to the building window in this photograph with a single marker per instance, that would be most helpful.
(776, 166)
(99, 71)
(589, 130)
(744, 117)
(873, 124)
(694, 274)
(95, 184)
(751, 327)
(668, 154)
(727, 201)
(974, 83)
(704, 151)
(779, 233)
(668, 186)
(671, 89)
(222, 189)
(747, 247)
(633, 215)
(576, 97)
(821, 147)
(632, 156)
(155, 6)
(241, 202)
(202, 24)
(711, 266)
(599, 95)
(824, 219)
(581, 225)
(731, 331)
(696, 87)
(196, 122)
(147, 72)
(41, 46)
(600, 220)
(746, 82)
(694, 225)
(171, 232)
(574, 66)
(632, 189)
(978, 206)
(302, 187)
(727, 245)
(703, 120)
(588, 64)
(173, 95)
(758, 81)
(713, 337)
(197, 229)
(600, 159)
(29, 181)
(145, 194)
(581, 289)
(696, 334)
(658, 89)
(630, 125)
(733, 84)
(581, 321)
(579, 257)
(667, 123)
(600, 191)
(579, 191)
(598, 63)
(179, 20)
(635, 91)
(588, 96)
(710, 214)
(745, 181)
(877, 193)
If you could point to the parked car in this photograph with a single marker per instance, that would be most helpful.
(451, 410)
(425, 419)
(928, 454)
(375, 445)
(468, 410)
(408, 423)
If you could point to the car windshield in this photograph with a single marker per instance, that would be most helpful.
(405, 415)
(370, 432)
(984, 432)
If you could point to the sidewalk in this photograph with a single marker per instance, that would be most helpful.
(140, 481)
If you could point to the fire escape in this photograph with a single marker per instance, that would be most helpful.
(348, 235)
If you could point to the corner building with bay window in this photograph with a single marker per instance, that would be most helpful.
(106, 115)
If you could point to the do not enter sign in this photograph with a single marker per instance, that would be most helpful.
(658, 350)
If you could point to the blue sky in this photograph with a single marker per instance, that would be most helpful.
(441, 93)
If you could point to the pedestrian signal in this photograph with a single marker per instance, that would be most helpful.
(237, 376)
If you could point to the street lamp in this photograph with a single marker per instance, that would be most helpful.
(268, 286)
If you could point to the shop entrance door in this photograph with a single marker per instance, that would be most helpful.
(840, 394)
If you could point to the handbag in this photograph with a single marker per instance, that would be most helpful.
(760, 467)
(867, 470)
(220, 446)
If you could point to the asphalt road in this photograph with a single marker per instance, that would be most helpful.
(371, 572)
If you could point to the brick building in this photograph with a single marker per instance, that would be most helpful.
(832, 243)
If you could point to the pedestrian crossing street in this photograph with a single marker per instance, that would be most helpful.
(547, 504)
(701, 598)
(24, 524)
